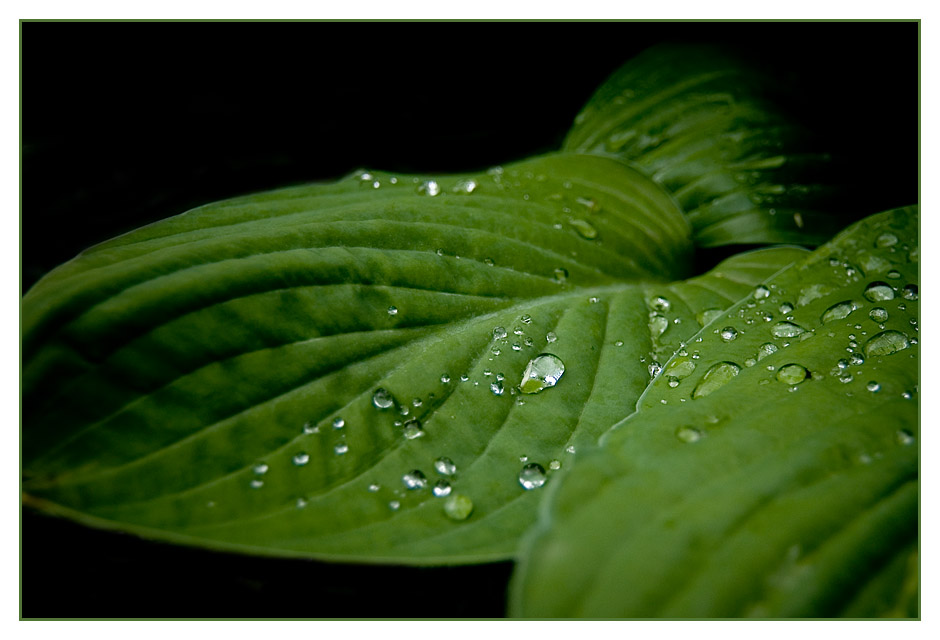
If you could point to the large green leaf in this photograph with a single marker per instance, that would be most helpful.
(183, 381)
(779, 478)
(707, 127)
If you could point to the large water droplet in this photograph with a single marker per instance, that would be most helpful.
(878, 314)
(382, 399)
(792, 374)
(715, 378)
(761, 292)
(728, 334)
(886, 343)
(584, 228)
(445, 466)
(877, 291)
(412, 429)
(787, 330)
(766, 349)
(706, 316)
(658, 325)
(428, 188)
(680, 367)
(532, 476)
(414, 480)
(543, 371)
(458, 507)
(499, 333)
(838, 311)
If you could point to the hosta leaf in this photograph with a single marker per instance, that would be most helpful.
(777, 479)
(706, 126)
(242, 376)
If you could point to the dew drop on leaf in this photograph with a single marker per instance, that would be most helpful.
(412, 429)
(554, 465)
(706, 316)
(715, 378)
(257, 484)
(791, 374)
(873, 386)
(499, 333)
(300, 459)
(543, 371)
(561, 275)
(260, 469)
(838, 311)
(340, 448)
(877, 291)
(414, 480)
(728, 334)
(761, 292)
(392, 311)
(382, 399)
(909, 292)
(886, 240)
(441, 489)
(689, 434)
(766, 349)
(787, 330)
(428, 188)
(904, 437)
(658, 325)
(497, 388)
(338, 423)
(532, 476)
(886, 343)
(584, 228)
(878, 314)
(458, 507)
(445, 466)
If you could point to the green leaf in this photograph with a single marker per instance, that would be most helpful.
(186, 381)
(706, 126)
(772, 481)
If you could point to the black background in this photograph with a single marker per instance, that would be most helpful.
(127, 123)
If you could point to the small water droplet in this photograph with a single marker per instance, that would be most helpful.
(846, 378)
(560, 274)
(394, 505)
(441, 489)
(905, 437)
(689, 434)
(516, 346)
(654, 369)
(260, 468)
(550, 337)
(584, 228)
(570, 449)
(886, 240)
(543, 371)
(877, 291)
(526, 319)
(907, 395)
(392, 311)
(886, 343)
(792, 374)
(873, 386)
(786, 308)
(414, 480)
(761, 292)
(465, 186)
(532, 476)
(458, 507)
(382, 399)
(787, 330)
(838, 311)
(309, 428)
(554, 465)
(878, 314)
(464, 377)
(499, 333)
(715, 378)
(301, 459)
(497, 388)
(256, 483)
(659, 303)
(428, 188)
(619, 343)
(445, 378)
(894, 274)
(909, 292)
(338, 423)
(445, 466)
(593, 300)
(728, 334)
(340, 448)
(301, 503)
(412, 429)
(658, 325)
(374, 487)
(672, 381)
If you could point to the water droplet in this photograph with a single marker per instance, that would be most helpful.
(338, 423)
(465, 186)
(838, 311)
(458, 507)
(787, 330)
(445, 466)
(894, 274)
(532, 476)
(428, 188)
(499, 333)
(689, 434)
(560, 274)
(706, 316)
(554, 465)
(761, 292)
(792, 374)
(593, 300)
(311, 428)
(877, 291)
(464, 377)
(902, 306)
(543, 371)
(786, 308)
(619, 343)
(659, 303)
(846, 378)
(886, 240)
(728, 334)
(256, 483)
(495, 351)
(441, 489)
(497, 388)
(878, 314)
(584, 228)
(570, 448)
(374, 487)
(516, 346)
(301, 459)
(654, 369)
(392, 311)
(412, 429)
(856, 359)
(873, 386)
(394, 505)
(340, 448)
(445, 378)
(672, 381)
(382, 399)
(301, 503)
(680, 367)
(550, 337)
(414, 480)
(526, 319)
(905, 437)
(909, 292)
(658, 325)
(716, 377)
(886, 343)
(260, 468)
